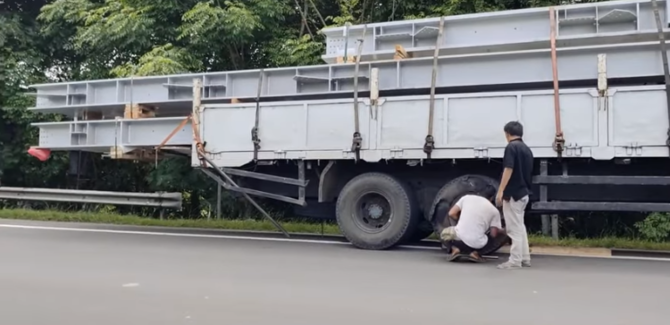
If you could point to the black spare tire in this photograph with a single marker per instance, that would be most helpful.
(377, 211)
(450, 193)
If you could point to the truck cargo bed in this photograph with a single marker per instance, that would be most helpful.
(633, 122)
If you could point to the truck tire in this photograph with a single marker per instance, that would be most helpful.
(377, 211)
(452, 192)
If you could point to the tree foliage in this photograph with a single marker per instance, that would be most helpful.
(56, 40)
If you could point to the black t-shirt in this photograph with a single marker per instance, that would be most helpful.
(519, 158)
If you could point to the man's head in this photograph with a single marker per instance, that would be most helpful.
(513, 130)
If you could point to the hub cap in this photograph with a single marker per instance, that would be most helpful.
(374, 213)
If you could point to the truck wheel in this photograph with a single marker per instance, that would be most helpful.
(377, 211)
(452, 192)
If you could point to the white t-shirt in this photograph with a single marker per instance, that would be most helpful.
(477, 216)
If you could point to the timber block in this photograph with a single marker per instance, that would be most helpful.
(350, 59)
(135, 111)
(145, 155)
(400, 53)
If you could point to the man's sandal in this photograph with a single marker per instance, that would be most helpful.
(476, 259)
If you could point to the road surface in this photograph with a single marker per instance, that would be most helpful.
(82, 278)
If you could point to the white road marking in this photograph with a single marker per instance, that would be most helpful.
(151, 233)
(281, 240)
(131, 285)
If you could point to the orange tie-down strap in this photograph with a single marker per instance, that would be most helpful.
(194, 126)
(196, 135)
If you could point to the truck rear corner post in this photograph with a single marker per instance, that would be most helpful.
(388, 140)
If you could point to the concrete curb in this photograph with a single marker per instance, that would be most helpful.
(565, 251)
(425, 244)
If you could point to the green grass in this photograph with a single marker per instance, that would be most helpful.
(293, 227)
(603, 242)
(117, 219)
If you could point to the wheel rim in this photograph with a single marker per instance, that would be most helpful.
(373, 212)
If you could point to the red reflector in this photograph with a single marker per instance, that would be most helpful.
(41, 154)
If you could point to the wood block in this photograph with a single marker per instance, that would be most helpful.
(350, 59)
(135, 111)
(400, 53)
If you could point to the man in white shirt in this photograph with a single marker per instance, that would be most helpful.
(478, 224)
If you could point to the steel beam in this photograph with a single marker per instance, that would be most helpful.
(518, 70)
(510, 30)
(102, 135)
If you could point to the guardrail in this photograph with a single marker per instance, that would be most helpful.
(160, 199)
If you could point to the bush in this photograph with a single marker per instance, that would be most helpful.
(656, 227)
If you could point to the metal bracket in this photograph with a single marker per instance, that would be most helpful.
(574, 150)
(356, 144)
(481, 152)
(633, 149)
(429, 145)
(280, 154)
(397, 153)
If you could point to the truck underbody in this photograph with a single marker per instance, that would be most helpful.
(387, 146)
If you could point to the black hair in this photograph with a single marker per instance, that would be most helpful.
(514, 129)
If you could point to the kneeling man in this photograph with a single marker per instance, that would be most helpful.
(478, 226)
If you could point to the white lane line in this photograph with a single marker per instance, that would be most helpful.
(131, 285)
(285, 240)
(151, 233)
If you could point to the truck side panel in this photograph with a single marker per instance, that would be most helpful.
(629, 122)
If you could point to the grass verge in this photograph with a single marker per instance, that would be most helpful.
(293, 227)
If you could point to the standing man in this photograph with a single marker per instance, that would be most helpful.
(514, 192)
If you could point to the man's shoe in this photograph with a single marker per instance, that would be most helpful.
(525, 263)
(508, 266)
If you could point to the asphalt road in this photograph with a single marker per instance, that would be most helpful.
(78, 278)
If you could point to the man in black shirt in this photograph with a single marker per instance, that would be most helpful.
(514, 192)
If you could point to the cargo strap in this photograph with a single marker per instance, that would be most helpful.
(254, 131)
(559, 140)
(664, 58)
(429, 145)
(357, 139)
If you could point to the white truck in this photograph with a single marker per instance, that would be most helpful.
(407, 117)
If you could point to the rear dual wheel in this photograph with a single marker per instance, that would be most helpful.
(377, 211)
(451, 192)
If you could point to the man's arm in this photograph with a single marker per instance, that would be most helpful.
(455, 211)
(508, 165)
(496, 225)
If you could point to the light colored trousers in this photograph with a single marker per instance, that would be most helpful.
(513, 212)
